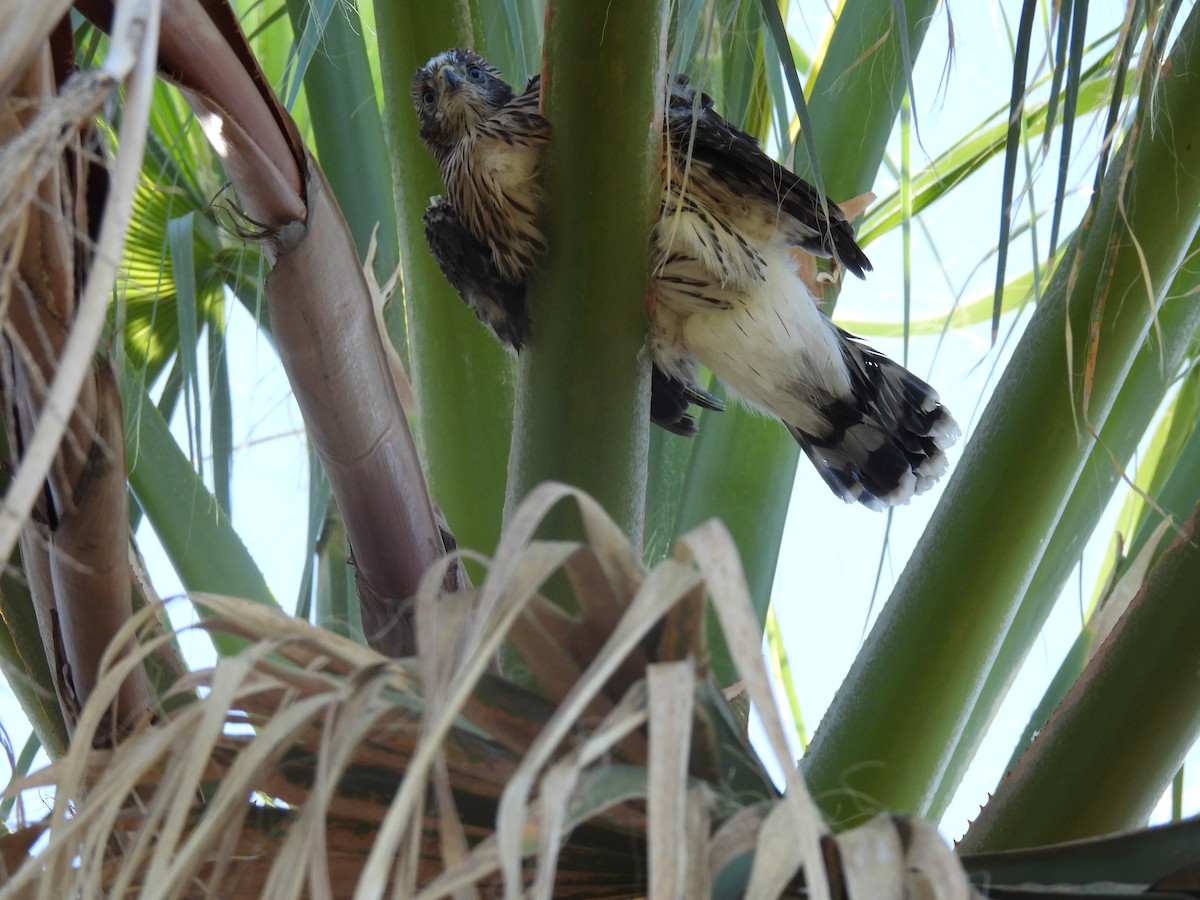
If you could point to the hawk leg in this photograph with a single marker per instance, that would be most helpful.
(670, 399)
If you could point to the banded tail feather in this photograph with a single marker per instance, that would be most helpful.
(886, 443)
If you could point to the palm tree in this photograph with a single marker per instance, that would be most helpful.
(601, 758)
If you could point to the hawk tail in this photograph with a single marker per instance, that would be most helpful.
(886, 442)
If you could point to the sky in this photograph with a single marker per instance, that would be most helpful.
(824, 592)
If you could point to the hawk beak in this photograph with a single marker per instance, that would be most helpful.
(451, 78)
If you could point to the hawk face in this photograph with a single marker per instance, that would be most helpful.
(452, 93)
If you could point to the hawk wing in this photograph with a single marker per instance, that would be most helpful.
(712, 154)
(523, 114)
(467, 264)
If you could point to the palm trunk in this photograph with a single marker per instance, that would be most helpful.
(582, 393)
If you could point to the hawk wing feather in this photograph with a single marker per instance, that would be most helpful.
(520, 120)
(467, 264)
(699, 134)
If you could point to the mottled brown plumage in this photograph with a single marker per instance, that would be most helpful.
(726, 290)
(487, 143)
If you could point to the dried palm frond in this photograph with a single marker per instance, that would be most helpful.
(65, 205)
(312, 766)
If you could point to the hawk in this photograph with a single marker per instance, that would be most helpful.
(726, 290)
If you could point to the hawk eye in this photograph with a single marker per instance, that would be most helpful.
(428, 98)
(475, 73)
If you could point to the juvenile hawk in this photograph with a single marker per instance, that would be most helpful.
(726, 290)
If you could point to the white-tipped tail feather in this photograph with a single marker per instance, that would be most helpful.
(886, 443)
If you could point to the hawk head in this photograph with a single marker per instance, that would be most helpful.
(454, 91)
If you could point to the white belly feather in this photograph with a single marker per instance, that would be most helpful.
(776, 350)
(757, 328)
